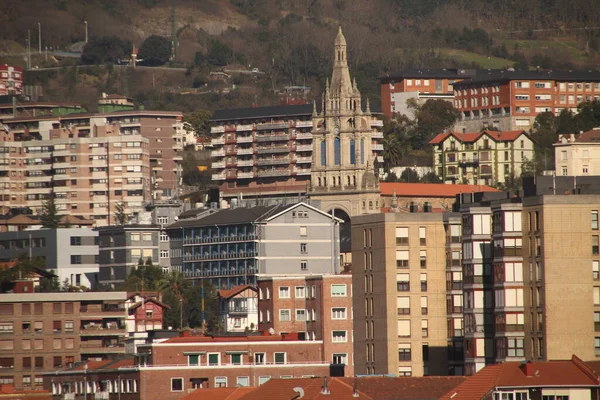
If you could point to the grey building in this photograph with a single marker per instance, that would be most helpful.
(164, 214)
(122, 247)
(230, 247)
(70, 253)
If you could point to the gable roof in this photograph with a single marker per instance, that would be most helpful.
(150, 300)
(564, 373)
(449, 190)
(229, 293)
(470, 137)
(229, 393)
(392, 388)
(283, 389)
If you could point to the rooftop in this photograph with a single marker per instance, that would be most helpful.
(301, 110)
(591, 136)
(229, 293)
(61, 296)
(305, 388)
(509, 75)
(391, 388)
(430, 189)
(432, 73)
(233, 339)
(230, 393)
(470, 137)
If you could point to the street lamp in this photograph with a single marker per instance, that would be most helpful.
(86, 31)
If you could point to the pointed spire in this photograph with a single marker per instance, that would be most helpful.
(340, 39)
(327, 85)
(314, 108)
(368, 109)
(354, 83)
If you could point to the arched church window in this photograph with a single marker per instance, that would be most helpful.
(352, 152)
(323, 153)
(362, 151)
(337, 151)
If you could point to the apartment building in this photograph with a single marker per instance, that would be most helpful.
(157, 127)
(69, 253)
(420, 85)
(327, 151)
(44, 332)
(399, 281)
(238, 309)
(576, 155)
(561, 252)
(317, 307)
(481, 158)
(231, 246)
(87, 174)
(17, 219)
(163, 213)
(20, 106)
(11, 80)
(510, 100)
(123, 247)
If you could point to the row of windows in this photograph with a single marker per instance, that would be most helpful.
(302, 292)
(37, 308)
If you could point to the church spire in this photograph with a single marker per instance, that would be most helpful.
(340, 79)
(368, 109)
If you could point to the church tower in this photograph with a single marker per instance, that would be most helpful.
(345, 144)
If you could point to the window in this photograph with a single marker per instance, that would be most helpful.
(193, 359)
(515, 347)
(403, 305)
(423, 258)
(303, 265)
(403, 282)
(236, 359)
(164, 254)
(300, 292)
(423, 282)
(402, 258)
(263, 379)
(339, 358)
(300, 315)
(339, 336)
(214, 358)
(404, 352)
(303, 248)
(422, 236)
(303, 231)
(284, 315)
(404, 328)
(596, 269)
(338, 290)
(75, 259)
(424, 308)
(595, 244)
(220, 381)
(424, 328)
(164, 237)
(338, 313)
(284, 292)
(259, 358)
(595, 220)
(6, 327)
(243, 381)
(75, 240)
(279, 358)
(402, 236)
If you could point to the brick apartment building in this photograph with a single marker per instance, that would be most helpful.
(510, 100)
(481, 158)
(317, 307)
(43, 332)
(400, 274)
(88, 174)
(420, 85)
(11, 80)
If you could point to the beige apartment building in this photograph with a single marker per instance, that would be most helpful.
(399, 280)
(44, 332)
(318, 307)
(562, 301)
(88, 173)
(578, 155)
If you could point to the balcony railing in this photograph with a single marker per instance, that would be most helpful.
(219, 140)
(377, 135)
(304, 147)
(246, 151)
(245, 139)
(274, 172)
(301, 160)
(218, 177)
(304, 124)
(304, 135)
(217, 153)
(247, 127)
(244, 163)
(217, 129)
(302, 171)
(272, 138)
(273, 161)
(245, 175)
(220, 256)
(219, 164)
(274, 149)
(376, 122)
(272, 125)
(377, 147)
(220, 239)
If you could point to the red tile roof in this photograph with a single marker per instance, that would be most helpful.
(104, 364)
(229, 293)
(9, 391)
(569, 373)
(389, 388)
(430, 189)
(469, 137)
(283, 389)
(219, 393)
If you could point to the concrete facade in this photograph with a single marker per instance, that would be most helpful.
(578, 155)
(399, 280)
(69, 253)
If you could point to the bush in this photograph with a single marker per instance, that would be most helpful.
(198, 81)
(102, 50)
(156, 50)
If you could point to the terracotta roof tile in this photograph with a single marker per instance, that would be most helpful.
(469, 137)
(228, 293)
(234, 393)
(390, 388)
(282, 389)
(430, 189)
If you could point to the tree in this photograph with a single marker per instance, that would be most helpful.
(431, 177)
(433, 117)
(198, 121)
(102, 50)
(120, 215)
(392, 151)
(409, 175)
(49, 216)
(588, 115)
(156, 50)
(219, 54)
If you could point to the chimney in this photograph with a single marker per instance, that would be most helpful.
(325, 389)
(527, 368)
(572, 137)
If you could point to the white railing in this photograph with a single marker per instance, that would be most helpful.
(219, 140)
(304, 135)
(303, 159)
(244, 163)
(217, 129)
(378, 147)
(303, 171)
(244, 139)
(247, 127)
(304, 124)
(217, 153)
(377, 135)
(221, 365)
(220, 164)
(304, 147)
(218, 177)
(245, 175)
(241, 152)
(376, 122)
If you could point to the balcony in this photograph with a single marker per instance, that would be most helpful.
(377, 147)
(219, 164)
(217, 129)
(100, 330)
(272, 138)
(273, 172)
(245, 139)
(272, 125)
(221, 239)
(377, 135)
(247, 127)
(304, 124)
(245, 151)
(220, 256)
(101, 348)
(376, 122)
(273, 161)
(217, 153)
(244, 163)
(245, 175)
(304, 147)
(219, 140)
(218, 177)
(273, 149)
(379, 159)
(464, 162)
(304, 135)
(238, 310)
(302, 171)
(303, 160)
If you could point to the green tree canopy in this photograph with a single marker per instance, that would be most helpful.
(198, 121)
(219, 54)
(156, 50)
(102, 50)
(49, 214)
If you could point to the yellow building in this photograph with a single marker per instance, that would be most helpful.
(577, 155)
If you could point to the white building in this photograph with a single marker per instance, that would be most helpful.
(577, 155)
(238, 309)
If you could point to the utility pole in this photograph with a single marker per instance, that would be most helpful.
(39, 38)
(86, 31)
(28, 49)
(173, 33)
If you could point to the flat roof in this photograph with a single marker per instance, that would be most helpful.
(61, 296)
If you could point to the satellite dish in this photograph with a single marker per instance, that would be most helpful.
(271, 331)
(176, 218)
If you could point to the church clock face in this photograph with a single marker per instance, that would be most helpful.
(336, 124)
